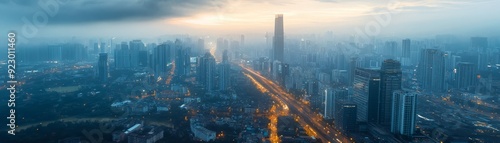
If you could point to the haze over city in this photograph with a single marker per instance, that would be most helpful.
(256, 71)
(151, 18)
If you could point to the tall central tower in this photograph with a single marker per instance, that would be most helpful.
(279, 39)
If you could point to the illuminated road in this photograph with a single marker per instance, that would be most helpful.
(171, 74)
(273, 113)
(312, 123)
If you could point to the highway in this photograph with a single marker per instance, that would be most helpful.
(312, 123)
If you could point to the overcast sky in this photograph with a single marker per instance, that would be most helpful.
(150, 18)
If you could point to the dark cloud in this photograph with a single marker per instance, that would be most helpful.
(91, 11)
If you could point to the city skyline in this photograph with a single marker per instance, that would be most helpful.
(322, 71)
(196, 17)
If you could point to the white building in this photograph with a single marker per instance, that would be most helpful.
(403, 112)
(329, 104)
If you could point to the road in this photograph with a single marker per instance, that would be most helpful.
(311, 122)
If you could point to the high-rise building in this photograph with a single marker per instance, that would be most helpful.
(479, 44)
(279, 39)
(406, 53)
(224, 75)
(96, 48)
(102, 47)
(391, 49)
(206, 71)
(135, 47)
(332, 98)
(406, 48)
(365, 92)
(200, 47)
(431, 70)
(390, 81)
(225, 57)
(122, 56)
(346, 121)
(353, 63)
(374, 99)
(161, 57)
(71, 52)
(465, 75)
(403, 112)
(275, 69)
(143, 58)
(102, 66)
(182, 59)
(329, 104)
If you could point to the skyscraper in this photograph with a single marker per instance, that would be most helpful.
(206, 71)
(329, 103)
(431, 70)
(160, 59)
(224, 68)
(466, 74)
(279, 39)
(390, 81)
(366, 92)
(333, 98)
(374, 99)
(404, 112)
(182, 59)
(346, 121)
(406, 53)
(103, 67)
(353, 63)
(122, 56)
(135, 47)
(406, 48)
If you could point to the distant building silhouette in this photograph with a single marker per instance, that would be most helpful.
(479, 44)
(103, 67)
(391, 49)
(406, 52)
(406, 48)
(182, 59)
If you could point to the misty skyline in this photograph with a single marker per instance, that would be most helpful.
(153, 18)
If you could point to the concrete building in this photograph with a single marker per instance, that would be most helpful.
(404, 113)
